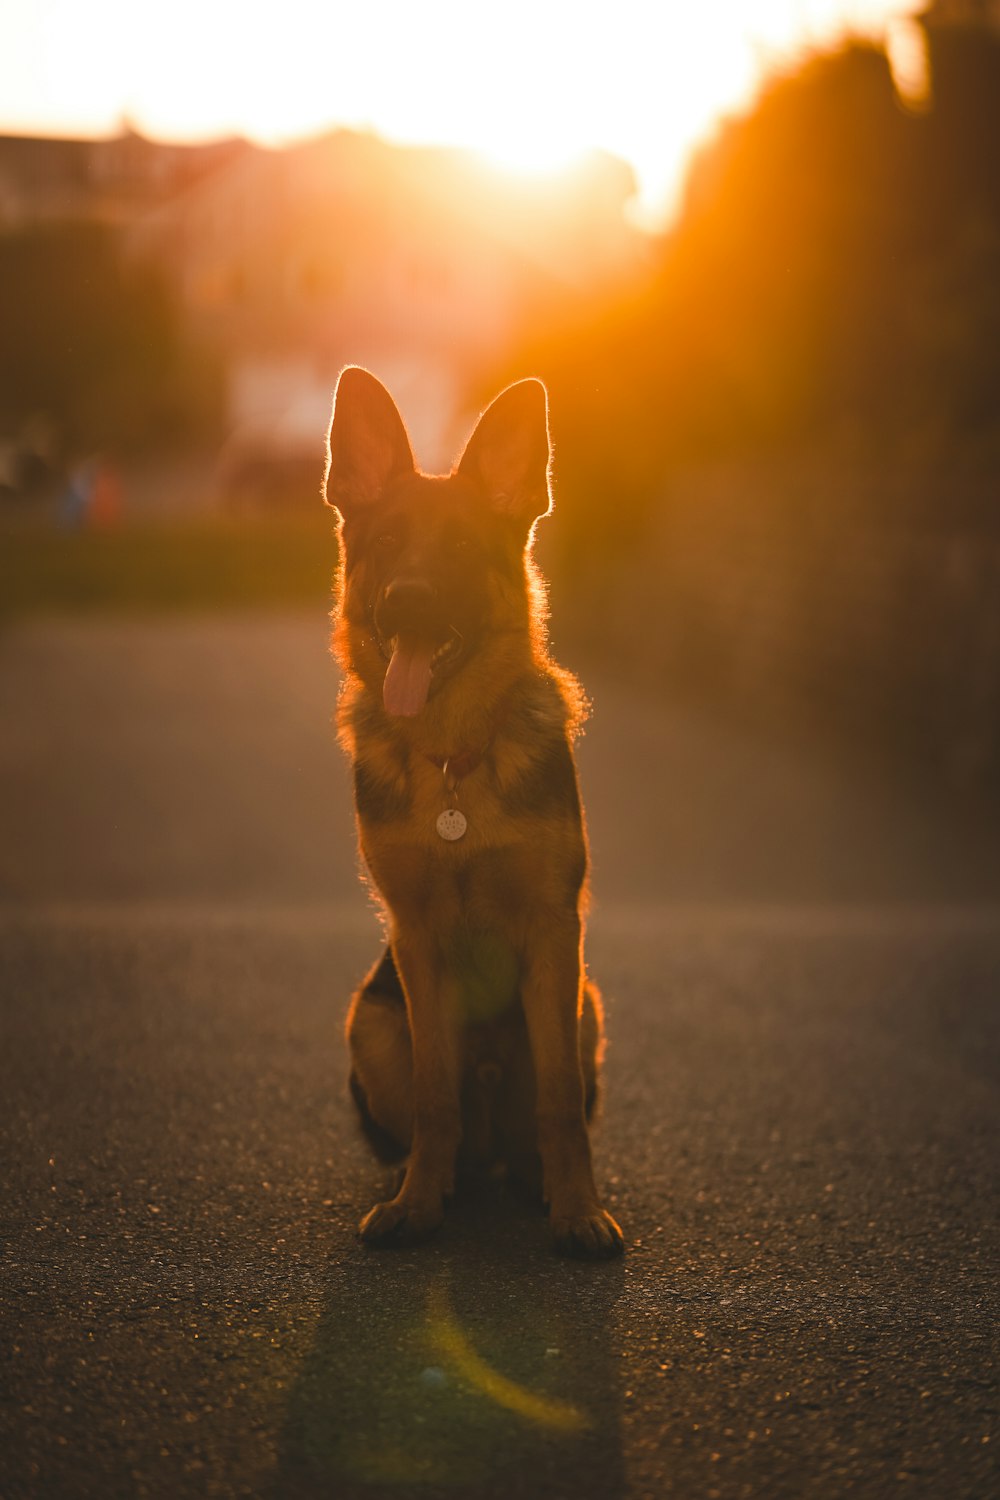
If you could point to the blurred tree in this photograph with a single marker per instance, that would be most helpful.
(93, 344)
(835, 267)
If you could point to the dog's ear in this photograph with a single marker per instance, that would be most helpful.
(367, 444)
(509, 452)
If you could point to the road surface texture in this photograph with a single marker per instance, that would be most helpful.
(799, 1135)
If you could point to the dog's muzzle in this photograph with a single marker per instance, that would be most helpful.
(409, 604)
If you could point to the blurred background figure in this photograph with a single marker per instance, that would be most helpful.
(75, 500)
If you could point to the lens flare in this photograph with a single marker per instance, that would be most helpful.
(456, 1352)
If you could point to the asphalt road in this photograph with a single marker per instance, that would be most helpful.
(801, 968)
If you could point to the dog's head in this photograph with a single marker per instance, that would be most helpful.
(432, 568)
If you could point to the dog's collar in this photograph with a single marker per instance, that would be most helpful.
(457, 767)
(462, 763)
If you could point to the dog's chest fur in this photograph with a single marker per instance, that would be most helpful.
(524, 848)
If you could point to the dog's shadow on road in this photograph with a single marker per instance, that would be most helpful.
(477, 1365)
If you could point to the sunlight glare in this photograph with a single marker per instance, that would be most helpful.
(527, 156)
(533, 87)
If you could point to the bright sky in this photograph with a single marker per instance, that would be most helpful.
(530, 82)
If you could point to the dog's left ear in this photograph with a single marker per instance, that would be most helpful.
(509, 452)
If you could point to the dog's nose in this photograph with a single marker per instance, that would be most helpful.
(408, 601)
(402, 591)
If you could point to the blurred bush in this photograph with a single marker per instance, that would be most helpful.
(192, 562)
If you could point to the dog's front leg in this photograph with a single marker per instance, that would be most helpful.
(551, 995)
(418, 1207)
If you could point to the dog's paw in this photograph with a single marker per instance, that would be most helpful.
(593, 1236)
(398, 1223)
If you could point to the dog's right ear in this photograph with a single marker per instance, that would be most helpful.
(367, 445)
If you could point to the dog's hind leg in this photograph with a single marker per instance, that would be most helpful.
(378, 1036)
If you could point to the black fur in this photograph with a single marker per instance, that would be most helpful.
(378, 801)
(548, 786)
(385, 1146)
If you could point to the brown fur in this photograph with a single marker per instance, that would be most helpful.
(476, 1039)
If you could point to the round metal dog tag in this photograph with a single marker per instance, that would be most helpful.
(451, 824)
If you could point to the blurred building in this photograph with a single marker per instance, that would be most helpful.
(962, 46)
(962, 38)
(423, 263)
(419, 263)
(48, 179)
(962, 13)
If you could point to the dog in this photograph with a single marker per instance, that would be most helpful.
(476, 1039)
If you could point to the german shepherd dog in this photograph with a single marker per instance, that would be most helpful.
(476, 1039)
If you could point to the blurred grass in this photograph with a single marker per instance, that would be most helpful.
(197, 563)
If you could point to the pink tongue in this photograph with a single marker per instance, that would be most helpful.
(408, 676)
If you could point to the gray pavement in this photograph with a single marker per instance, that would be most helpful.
(801, 967)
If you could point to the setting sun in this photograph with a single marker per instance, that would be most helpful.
(533, 88)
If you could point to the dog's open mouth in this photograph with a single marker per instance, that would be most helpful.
(415, 661)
